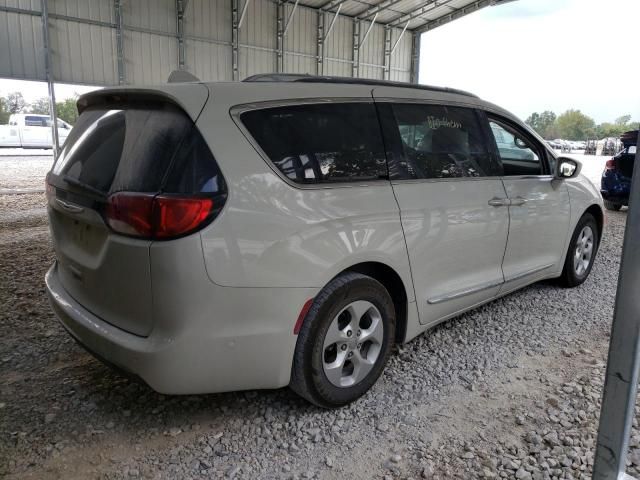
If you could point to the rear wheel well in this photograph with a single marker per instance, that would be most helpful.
(596, 211)
(390, 279)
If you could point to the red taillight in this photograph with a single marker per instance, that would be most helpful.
(177, 216)
(156, 216)
(610, 165)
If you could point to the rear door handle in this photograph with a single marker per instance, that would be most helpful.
(499, 202)
(518, 201)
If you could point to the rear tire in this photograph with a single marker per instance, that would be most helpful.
(615, 207)
(345, 341)
(582, 252)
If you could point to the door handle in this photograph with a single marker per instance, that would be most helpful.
(499, 202)
(518, 201)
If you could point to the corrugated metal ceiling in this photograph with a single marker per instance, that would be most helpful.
(421, 14)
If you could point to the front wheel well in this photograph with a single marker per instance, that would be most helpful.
(597, 213)
(390, 279)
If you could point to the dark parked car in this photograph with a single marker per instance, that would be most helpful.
(616, 178)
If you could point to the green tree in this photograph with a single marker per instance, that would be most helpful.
(543, 123)
(67, 110)
(4, 111)
(15, 102)
(575, 125)
(623, 120)
(40, 106)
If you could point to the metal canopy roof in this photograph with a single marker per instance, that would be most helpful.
(416, 15)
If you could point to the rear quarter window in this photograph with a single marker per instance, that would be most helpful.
(320, 143)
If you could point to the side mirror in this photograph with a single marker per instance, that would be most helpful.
(567, 167)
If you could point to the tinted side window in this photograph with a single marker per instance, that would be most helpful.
(440, 142)
(321, 143)
(519, 156)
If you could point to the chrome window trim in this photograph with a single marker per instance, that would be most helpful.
(403, 181)
(237, 110)
(429, 101)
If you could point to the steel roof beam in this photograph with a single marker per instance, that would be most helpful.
(331, 4)
(364, 39)
(457, 13)
(418, 12)
(333, 22)
(286, 27)
(384, 5)
(393, 49)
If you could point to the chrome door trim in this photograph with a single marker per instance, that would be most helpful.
(526, 273)
(465, 292)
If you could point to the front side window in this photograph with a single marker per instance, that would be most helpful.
(320, 143)
(440, 142)
(518, 155)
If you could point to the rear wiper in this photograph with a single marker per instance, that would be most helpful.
(77, 183)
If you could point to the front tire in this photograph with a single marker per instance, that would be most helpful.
(345, 341)
(615, 207)
(582, 252)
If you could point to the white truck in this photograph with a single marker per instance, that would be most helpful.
(30, 130)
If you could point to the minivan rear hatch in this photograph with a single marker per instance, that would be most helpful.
(129, 146)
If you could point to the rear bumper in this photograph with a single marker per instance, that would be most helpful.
(224, 354)
(615, 187)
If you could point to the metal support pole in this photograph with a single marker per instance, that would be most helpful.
(395, 45)
(55, 143)
(415, 57)
(355, 66)
(366, 34)
(234, 39)
(279, 36)
(119, 42)
(244, 12)
(180, 31)
(623, 364)
(387, 53)
(320, 43)
(286, 27)
(333, 22)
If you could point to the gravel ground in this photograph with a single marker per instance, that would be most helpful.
(24, 172)
(508, 390)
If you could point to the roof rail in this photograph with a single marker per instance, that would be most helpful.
(305, 78)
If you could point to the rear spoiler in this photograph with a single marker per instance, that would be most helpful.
(190, 97)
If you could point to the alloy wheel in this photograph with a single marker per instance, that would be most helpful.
(352, 343)
(583, 251)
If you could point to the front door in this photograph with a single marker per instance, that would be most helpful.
(538, 205)
(441, 171)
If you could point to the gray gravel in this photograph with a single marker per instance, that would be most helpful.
(510, 390)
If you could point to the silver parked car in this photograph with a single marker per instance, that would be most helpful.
(288, 230)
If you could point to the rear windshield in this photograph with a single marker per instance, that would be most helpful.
(145, 148)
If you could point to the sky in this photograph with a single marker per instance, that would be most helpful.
(536, 55)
